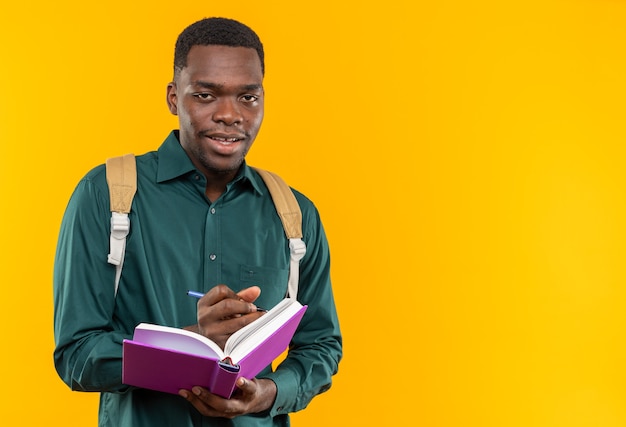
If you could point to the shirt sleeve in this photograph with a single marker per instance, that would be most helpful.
(88, 352)
(316, 348)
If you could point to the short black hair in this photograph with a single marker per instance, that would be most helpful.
(215, 31)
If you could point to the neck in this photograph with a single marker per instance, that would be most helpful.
(216, 183)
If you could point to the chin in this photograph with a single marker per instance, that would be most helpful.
(221, 169)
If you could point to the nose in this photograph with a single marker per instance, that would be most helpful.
(227, 111)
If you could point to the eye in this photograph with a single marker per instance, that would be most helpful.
(205, 96)
(248, 98)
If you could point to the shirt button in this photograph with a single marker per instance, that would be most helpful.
(196, 177)
(212, 210)
(212, 257)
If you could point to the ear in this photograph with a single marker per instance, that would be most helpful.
(172, 98)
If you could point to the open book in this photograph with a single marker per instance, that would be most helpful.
(168, 359)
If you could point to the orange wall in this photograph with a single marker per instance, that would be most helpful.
(466, 157)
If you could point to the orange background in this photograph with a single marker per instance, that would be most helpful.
(466, 158)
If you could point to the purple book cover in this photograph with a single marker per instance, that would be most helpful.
(168, 370)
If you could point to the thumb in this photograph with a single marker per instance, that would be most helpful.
(249, 294)
(245, 385)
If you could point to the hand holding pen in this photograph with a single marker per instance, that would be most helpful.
(221, 311)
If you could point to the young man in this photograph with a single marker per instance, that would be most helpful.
(201, 217)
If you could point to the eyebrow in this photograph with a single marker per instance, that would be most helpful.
(215, 86)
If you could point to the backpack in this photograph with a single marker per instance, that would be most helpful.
(121, 175)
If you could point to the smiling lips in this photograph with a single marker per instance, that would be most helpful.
(225, 144)
(225, 139)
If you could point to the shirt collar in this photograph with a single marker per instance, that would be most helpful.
(174, 163)
(250, 175)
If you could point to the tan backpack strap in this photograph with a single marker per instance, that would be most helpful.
(122, 180)
(289, 212)
(285, 202)
(121, 175)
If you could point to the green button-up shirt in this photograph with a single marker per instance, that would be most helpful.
(178, 241)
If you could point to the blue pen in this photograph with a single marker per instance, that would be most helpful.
(195, 294)
(199, 295)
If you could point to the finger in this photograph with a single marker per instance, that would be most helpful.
(249, 294)
(198, 403)
(221, 329)
(246, 386)
(215, 406)
(225, 309)
(233, 324)
(217, 294)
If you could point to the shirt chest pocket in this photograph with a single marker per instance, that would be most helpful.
(272, 281)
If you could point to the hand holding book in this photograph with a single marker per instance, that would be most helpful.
(252, 397)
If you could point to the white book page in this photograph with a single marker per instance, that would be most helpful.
(177, 339)
(244, 340)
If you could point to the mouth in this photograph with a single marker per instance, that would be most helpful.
(225, 139)
(225, 144)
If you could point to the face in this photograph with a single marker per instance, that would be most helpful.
(218, 98)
